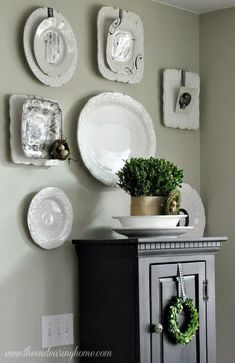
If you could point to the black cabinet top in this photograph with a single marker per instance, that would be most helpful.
(156, 245)
(150, 240)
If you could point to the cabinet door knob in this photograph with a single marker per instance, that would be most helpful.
(157, 328)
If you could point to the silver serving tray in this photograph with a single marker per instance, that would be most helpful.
(17, 155)
(41, 126)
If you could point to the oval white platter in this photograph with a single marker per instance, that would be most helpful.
(153, 232)
(192, 203)
(50, 218)
(161, 221)
(59, 73)
(112, 128)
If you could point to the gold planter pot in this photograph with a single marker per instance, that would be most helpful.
(147, 206)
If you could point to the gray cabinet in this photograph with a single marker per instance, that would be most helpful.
(125, 288)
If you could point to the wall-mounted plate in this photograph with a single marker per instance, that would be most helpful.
(41, 70)
(50, 218)
(41, 126)
(120, 45)
(192, 203)
(54, 46)
(173, 116)
(124, 47)
(17, 154)
(112, 128)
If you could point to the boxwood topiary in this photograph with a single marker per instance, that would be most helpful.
(149, 177)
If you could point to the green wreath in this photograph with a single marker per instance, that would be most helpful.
(192, 320)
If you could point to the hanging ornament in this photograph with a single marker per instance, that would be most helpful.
(185, 96)
(182, 304)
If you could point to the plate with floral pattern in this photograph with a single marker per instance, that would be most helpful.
(41, 126)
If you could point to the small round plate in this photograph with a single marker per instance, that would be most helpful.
(50, 218)
(54, 46)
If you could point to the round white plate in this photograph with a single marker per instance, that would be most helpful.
(50, 218)
(54, 46)
(153, 232)
(192, 203)
(150, 221)
(112, 128)
(31, 26)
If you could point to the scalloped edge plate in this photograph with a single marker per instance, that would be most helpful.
(107, 100)
(59, 204)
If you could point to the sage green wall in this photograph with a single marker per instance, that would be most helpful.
(217, 68)
(35, 282)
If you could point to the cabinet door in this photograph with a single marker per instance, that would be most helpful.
(163, 289)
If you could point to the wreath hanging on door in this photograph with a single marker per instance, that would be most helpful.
(192, 320)
(182, 304)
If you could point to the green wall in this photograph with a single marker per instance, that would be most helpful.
(217, 69)
(35, 282)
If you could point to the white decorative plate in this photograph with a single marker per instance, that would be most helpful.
(17, 155)
(31, 26)
(171, 87)
(153, 232)
(112, 128)
(54, 46)
(192, 203)
(120, 62)
(41, 126)
(162, 221)
(50, 218)
(124, 47)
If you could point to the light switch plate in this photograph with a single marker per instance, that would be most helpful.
(57, 330)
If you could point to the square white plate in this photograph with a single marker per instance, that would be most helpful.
(108, 22)
(171, 87)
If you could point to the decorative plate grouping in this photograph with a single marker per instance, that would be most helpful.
(112, 127)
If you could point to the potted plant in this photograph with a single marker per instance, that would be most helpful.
(149, 182)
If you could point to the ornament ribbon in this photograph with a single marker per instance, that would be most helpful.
(181, 283)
